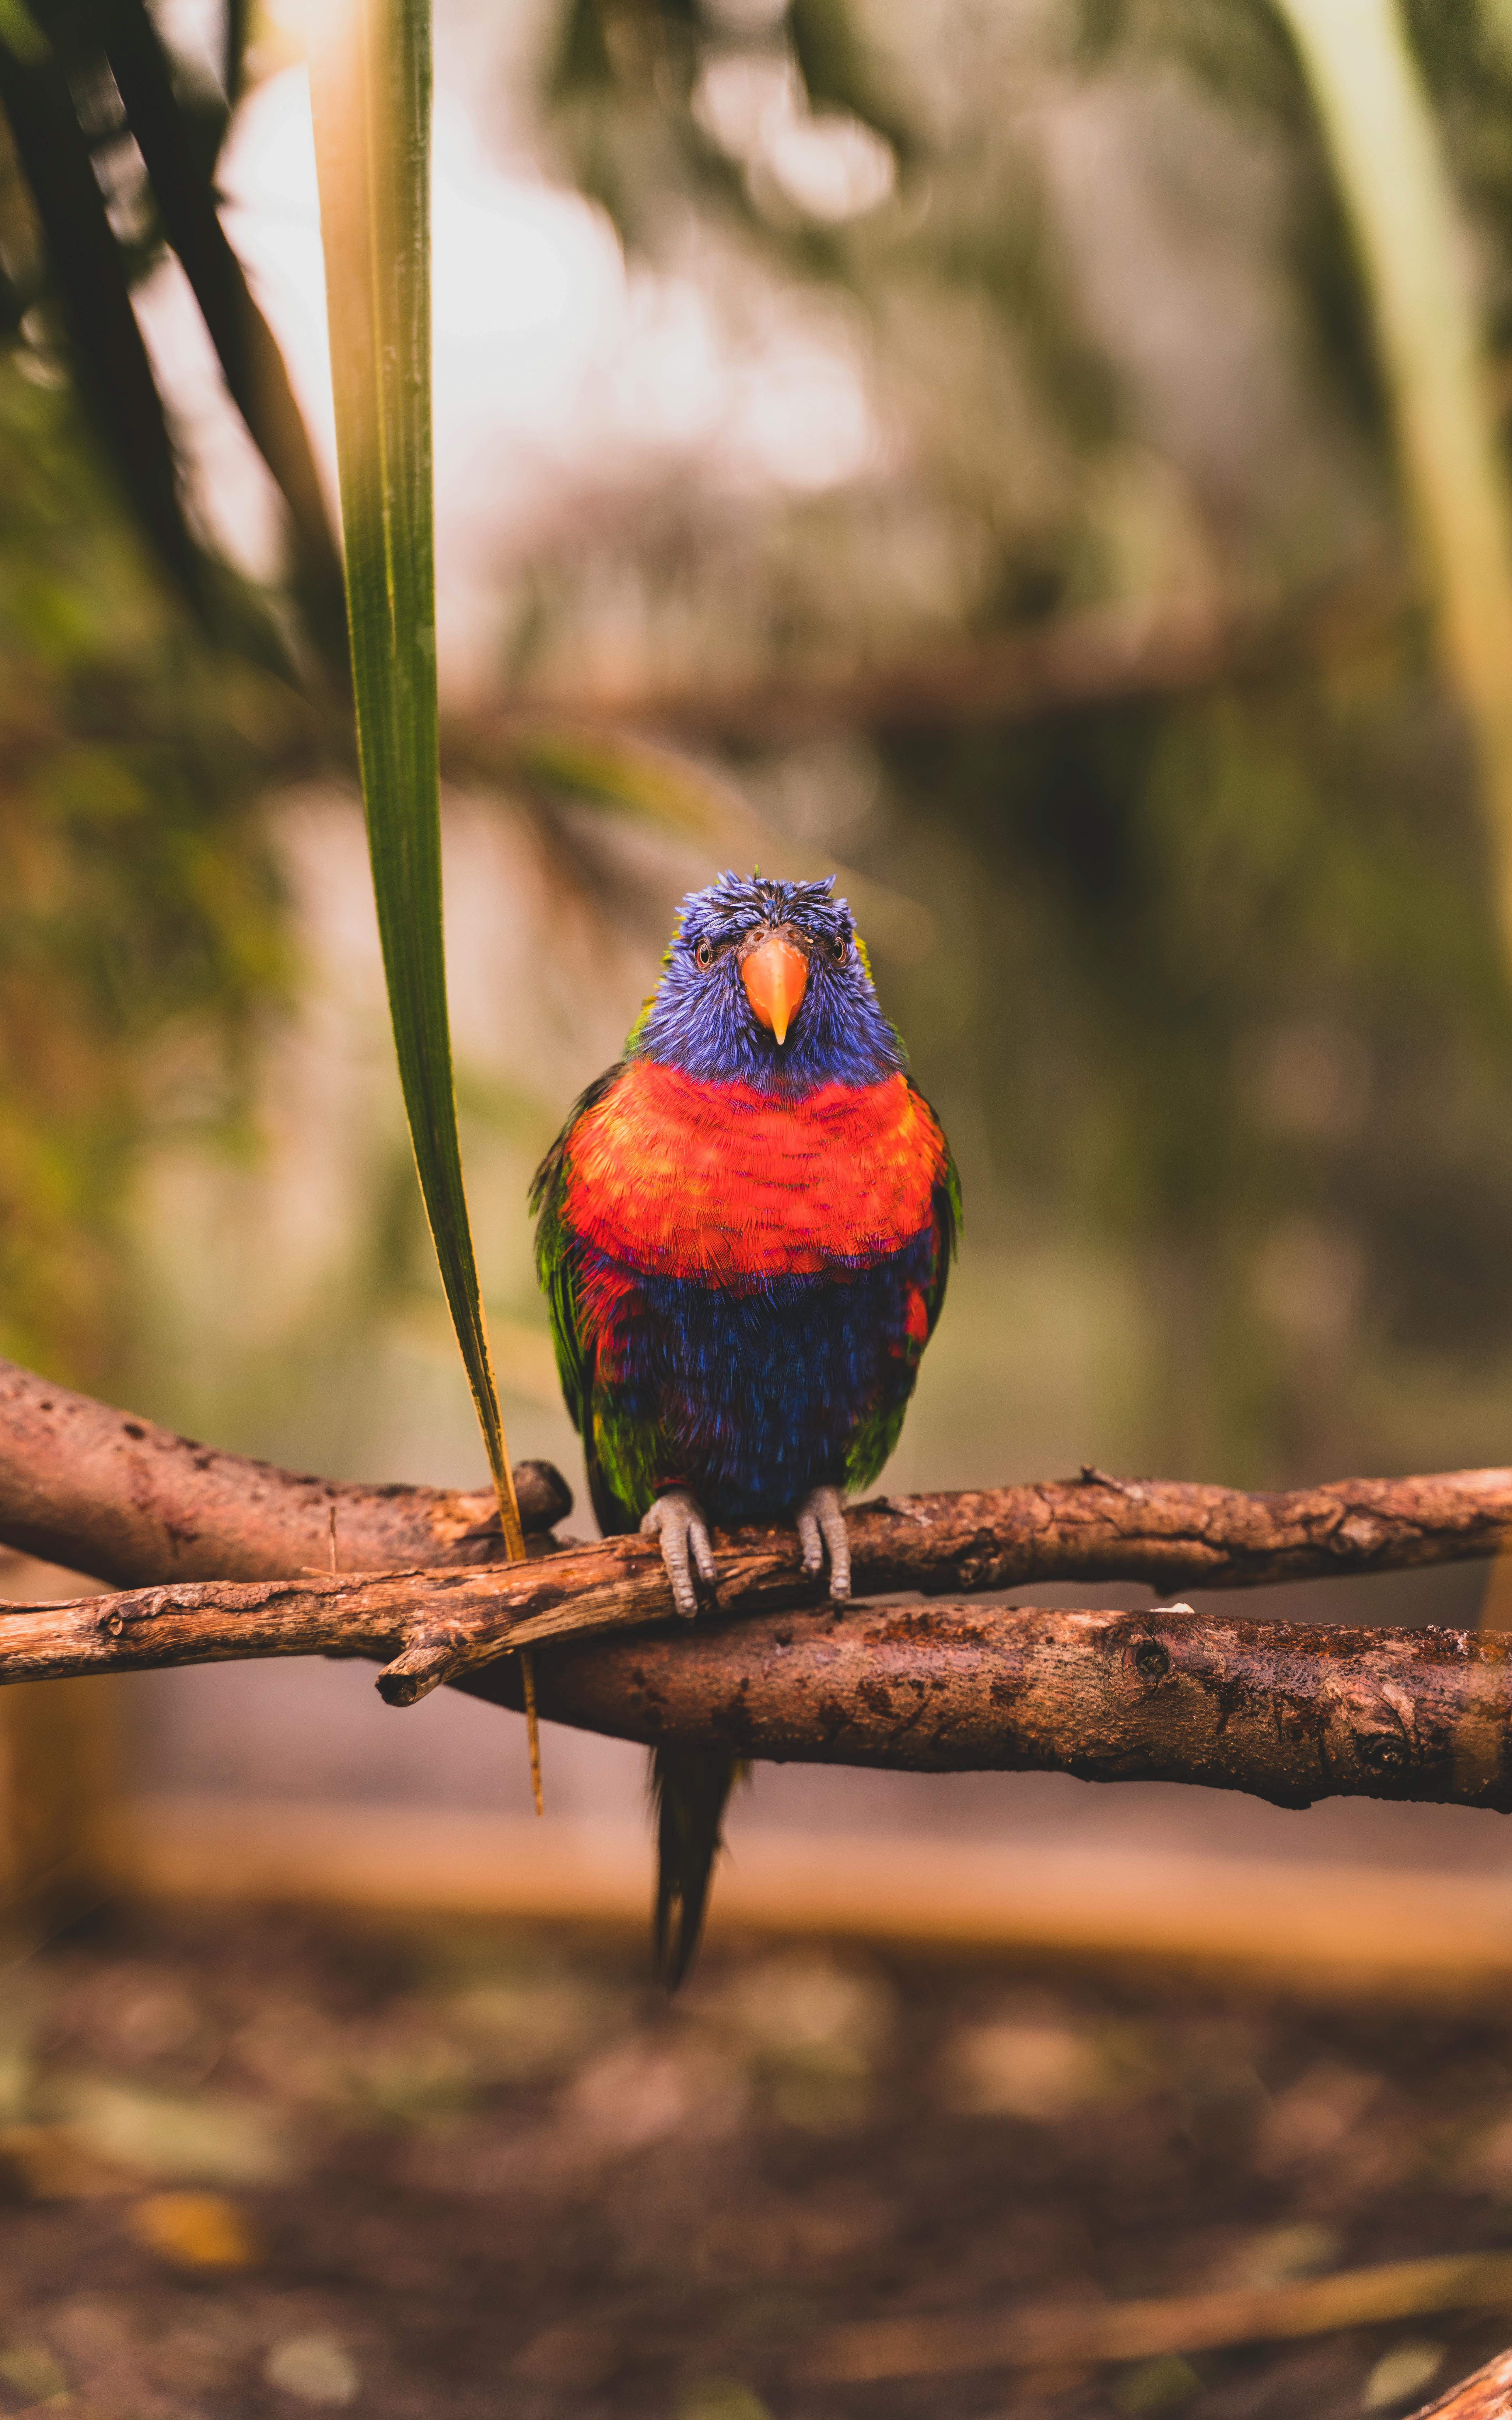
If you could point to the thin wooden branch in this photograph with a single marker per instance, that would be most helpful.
(1081, 2335)
(107, 1493)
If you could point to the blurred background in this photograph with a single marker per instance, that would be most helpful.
(1045, 462)
(1008, 455)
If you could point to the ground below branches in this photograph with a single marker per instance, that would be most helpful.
(254, 2164)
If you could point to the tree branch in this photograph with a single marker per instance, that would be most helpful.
(1288, 1712)
(1485, 2395)
(107, 1493)
(104, 1492)
(1284, 1711)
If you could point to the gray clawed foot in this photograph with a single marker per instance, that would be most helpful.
(820, 1527)
(677, 1519)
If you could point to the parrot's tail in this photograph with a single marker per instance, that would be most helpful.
(690, 1789)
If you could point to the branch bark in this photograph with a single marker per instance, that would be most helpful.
(104, 1492)
(1282, 1711)
(107, 1493)
(1485, 2395)
(1286, 1711)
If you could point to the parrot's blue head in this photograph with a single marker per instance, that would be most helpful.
(767, 983)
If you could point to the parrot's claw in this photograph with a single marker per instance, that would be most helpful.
(821, 1524)
(677, 1519)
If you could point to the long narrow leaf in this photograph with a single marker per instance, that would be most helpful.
(234, 50)
(1394, 163)
(370, 89)
(113, 373)
(252, 363)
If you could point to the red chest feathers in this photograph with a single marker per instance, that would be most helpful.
(677, 1178)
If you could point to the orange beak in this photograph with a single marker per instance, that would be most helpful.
(774, 976)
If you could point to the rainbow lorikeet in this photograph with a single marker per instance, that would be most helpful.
(744, 1232)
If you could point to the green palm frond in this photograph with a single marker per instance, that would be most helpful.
(92, 279)
(371, 86)
(76, 77)
(173, 153)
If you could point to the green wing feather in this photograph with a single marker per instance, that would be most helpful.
(622, 1454)
(553, 1258)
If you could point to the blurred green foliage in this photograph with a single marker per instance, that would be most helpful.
(1218, 988)
(1227, 991)
(109, 144)
(140, 936)
(1214, 997)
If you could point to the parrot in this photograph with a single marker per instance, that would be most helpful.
(743, 1234)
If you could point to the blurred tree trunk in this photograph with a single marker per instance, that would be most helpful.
(1415, 253)
(60, 1754)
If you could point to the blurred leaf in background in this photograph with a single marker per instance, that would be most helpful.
(144, 689)
(140, 941)
(1218, 989)
(1043, 560)
(112, 145)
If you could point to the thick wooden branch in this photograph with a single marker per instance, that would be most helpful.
(1284, 1711)
(113, 1495)
(1287, 1712)
(108, 1493)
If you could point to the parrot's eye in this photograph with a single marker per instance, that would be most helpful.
(838, 948)
(705, 954)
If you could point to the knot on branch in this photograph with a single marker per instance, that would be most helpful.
(1150, 1660)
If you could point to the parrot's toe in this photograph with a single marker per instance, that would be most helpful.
(677, 1519)
(820, 1527)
